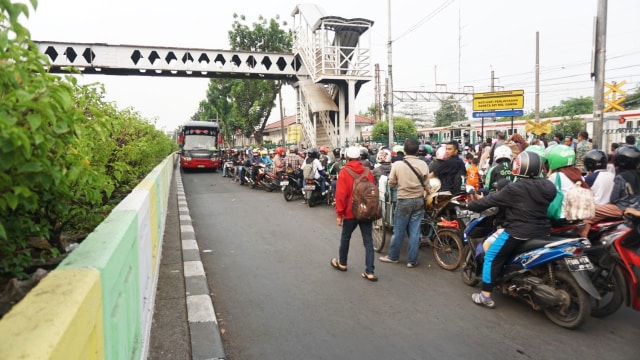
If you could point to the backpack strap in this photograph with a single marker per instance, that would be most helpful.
(355, 176)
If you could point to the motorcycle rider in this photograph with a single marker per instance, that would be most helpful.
(337, 165)
(384, 165)
(626, 187)
(525, 204)
(324, 157)
(501, 169)
(293, 163)
(318, 169)
(364, 158)
(278, 160)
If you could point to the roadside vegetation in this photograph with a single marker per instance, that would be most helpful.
(68, 155)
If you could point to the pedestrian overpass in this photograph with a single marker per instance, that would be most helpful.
(330, 62)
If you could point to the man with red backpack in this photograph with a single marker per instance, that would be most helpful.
(345, 214)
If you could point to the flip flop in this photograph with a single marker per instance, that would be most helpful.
(370, 277)
(336, 265)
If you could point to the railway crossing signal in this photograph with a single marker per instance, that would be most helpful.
(614, 89)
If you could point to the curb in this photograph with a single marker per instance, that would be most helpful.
(206, 341)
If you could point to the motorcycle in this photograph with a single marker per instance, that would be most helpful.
(290, 184)
(229, 169)
(261, 177)
(313, 192)
(616, 258)
(550, 274)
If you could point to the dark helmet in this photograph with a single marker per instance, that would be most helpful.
(313, 153)
(527, 164)
(364, 153)
(422, 150)
(595, 159)
(336, 152)
(627, 157)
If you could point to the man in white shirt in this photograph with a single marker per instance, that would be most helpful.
(598, 178)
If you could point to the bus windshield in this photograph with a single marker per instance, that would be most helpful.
(198, 142)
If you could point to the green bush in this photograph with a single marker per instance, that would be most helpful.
(67, 156)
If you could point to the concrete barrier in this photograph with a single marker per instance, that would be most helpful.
(98, 303)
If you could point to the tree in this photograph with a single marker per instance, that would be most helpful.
(570, 107)
(570, 126)
(402, 128)
(253, 100)
(450, 111)
(633, 100)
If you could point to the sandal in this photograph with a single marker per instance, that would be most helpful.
(336, 265)
(370, 277)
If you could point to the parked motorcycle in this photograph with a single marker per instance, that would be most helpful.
(550, 274)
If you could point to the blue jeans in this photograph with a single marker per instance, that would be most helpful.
(348, 225)
(407, 218)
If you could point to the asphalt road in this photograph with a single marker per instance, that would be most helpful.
(277, 297)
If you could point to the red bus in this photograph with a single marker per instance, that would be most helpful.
(198, 142)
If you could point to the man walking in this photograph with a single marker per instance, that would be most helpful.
(410, 176)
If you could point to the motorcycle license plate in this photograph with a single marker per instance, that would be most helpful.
(578, 263)
(200, 166)
(309, 187)
(284, 182)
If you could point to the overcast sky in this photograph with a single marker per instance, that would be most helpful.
(451, 42)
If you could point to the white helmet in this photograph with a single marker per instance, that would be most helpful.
(502, 152)
(434, 185)
(441, 153)
(384, 156)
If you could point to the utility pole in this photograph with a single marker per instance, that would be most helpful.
(537, 104)
(598, 68)
(377, 93)
(284, 144)
(390, 77)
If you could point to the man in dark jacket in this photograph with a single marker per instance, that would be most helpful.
(525, 204)
(450, 172)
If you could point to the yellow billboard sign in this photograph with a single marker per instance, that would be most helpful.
(498, 103)
(498, 94)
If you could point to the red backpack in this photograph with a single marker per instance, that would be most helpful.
(365, 205)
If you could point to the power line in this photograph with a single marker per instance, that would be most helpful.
(422, 21)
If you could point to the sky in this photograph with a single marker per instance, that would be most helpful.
(453, 43)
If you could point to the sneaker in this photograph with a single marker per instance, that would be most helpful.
(412, 265)
(480, 299)
(387, 260)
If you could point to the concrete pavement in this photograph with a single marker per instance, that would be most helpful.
(184, 322)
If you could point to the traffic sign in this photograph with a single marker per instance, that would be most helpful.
(505, 113)
(498, 103)
(498, 94)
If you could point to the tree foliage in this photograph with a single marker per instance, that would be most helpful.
(633, 100)
(402, 127)
(243, 103)
(570, 126)
(450, 111)
(66, 154)
(570, 107)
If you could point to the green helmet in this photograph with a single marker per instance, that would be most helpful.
(429, 149)
(561, 156)
(538, 150)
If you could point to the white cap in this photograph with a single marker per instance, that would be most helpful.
(353, 152)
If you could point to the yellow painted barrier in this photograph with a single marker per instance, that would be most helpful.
(61, 318)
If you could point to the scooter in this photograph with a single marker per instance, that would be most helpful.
(290, 186)
(550, 274)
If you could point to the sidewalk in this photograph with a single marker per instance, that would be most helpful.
(184, 324)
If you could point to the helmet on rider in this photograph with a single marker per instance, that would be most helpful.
(595, 159)
(422, 150)
(324, 150)
(336, 152)
(560, 156)
(255, 152)
(398, 148)
(364, 153)
(280, 150)
(429, 149)
(627, 157)
(441, 153)
(527, 164)
(264, 152)
(313, 153)
(502, 152)
(293, 149)
(384, 156)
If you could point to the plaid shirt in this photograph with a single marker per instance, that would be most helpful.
(293, 160)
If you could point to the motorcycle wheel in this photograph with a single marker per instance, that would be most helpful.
(576, 309)
(267, 185)
(469, 267)
(447, 249)
(311, 201)
(288, 193)
(379, 235)
(612, 291)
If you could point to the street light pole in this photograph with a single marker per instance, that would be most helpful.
(599, 59)
(390, 77)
